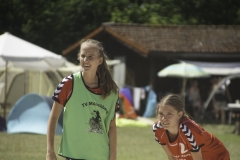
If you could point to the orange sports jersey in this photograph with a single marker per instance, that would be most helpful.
(64, 90)
(191, 137)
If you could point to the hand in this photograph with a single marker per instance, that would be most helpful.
(51, 156)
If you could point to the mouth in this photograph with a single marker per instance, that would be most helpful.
(86, 66)
(165, 124)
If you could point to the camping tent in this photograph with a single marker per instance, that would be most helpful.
(30, 115)
(21, 82)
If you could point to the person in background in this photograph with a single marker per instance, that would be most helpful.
(181, 137)
(195, 100)
(90, 100)
(220, 98)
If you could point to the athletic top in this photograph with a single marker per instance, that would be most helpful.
(191, 137)
(64, 91)
(86, 122)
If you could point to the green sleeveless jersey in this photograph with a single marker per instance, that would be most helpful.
(86, 123)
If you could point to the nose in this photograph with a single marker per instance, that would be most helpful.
(85, 59)
(163, 117)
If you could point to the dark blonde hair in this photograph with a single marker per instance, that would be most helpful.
(175, 101)
(107, 84)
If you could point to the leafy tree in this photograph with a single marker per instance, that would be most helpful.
(53, 25)
(56, 24)
(166, 12)
(149, 11)
(213, 12)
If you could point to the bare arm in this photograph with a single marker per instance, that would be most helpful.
(52, 123)
(169, 154)
(197, 155)
(113, 139)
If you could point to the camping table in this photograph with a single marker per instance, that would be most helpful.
(233, 108)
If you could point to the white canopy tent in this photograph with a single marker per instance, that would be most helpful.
(20, 54)
(218, 68)
(23, 54)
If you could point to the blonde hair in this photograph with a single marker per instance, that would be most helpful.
(175, 101)
(107, 84)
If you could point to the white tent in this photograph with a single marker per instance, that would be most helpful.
(218, 68)
(19, 56)
(23, 54)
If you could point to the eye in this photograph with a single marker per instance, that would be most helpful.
(90, 57)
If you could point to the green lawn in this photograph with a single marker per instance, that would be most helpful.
(134, 143)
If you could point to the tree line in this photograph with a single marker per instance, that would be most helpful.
(56, 24)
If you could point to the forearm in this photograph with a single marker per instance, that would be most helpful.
(168, 152)
(113, 141)
(197, 155)
(50, 134)
(52, 123)
(50, 139)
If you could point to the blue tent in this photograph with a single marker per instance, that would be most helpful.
(30, 115)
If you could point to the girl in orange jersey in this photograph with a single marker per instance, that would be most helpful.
(181, 137)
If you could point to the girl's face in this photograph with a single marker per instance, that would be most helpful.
(169, 117)
(89, 58)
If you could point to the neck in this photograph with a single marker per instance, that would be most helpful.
(91, 80)
(172, 136)
(173, 131)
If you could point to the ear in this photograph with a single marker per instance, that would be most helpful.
(180, 114)
(100, 60)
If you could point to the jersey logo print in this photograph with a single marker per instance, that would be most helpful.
(182, 146)
(189, 136)
(95, 123)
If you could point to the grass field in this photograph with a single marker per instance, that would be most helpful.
(134, 143)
